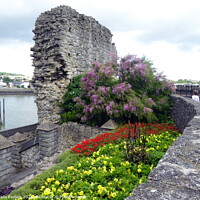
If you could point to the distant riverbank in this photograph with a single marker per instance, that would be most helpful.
(16, 91)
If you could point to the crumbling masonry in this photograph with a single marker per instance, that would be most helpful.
(66, 44)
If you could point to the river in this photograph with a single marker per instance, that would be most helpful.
(20, 110)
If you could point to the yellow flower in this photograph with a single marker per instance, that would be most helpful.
(139, 170)
(79, 164)
(113, 194)
(57, 183)
(112, 169)
(87, 172)
(140, 181)
(47, 191)
(66, 186)
(33, 197)
(61, 171)
(105, 162)
(81, 193)
(49, 180)
(42, 188)
(92, 162)
(65, 194)
(59, 190)
(70, 168)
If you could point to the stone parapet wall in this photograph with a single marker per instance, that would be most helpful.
(66, 44)
(177, 174)
(6, 148)
(183, 110)
(71, 133)
(20, 152)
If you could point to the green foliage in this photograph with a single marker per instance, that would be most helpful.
(187, 81)
(105, 174)
(131, 90)
(33, 187)
(10, 74)
(6, 79)
(69, 110)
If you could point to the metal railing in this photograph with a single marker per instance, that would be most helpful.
(186, 89)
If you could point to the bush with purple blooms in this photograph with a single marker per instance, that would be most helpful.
(128, 90)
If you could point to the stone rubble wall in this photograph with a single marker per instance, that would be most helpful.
(66, 45)
(30, 157)
(21, 152)
(177, 175)
(5, 160)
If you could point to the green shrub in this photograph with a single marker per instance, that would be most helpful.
(69, 110)
(131, 90)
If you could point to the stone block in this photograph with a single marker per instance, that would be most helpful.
(4, 143)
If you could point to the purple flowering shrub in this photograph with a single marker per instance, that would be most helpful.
(128, 90)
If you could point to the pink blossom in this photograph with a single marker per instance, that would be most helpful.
(145, 110)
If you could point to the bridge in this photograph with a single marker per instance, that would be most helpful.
(16, 91)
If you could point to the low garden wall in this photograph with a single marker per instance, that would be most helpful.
(177, 175)
(20, 151)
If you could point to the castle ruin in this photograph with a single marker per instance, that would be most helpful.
(66, 45)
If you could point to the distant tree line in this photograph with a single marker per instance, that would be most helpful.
(187, 81)
(10, 74)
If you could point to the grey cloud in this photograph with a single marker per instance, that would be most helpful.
(184, 33)
(17, 28)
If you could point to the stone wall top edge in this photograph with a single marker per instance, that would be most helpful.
(64, 9)
(190, 101)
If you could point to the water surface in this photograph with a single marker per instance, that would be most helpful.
(20, 110)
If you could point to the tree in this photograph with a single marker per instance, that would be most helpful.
(128, 90)
(7, 80)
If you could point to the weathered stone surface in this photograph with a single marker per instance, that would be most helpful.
(110, 125)
(160, 191)
(183, 110)
(5, 161)
(4, 143)
(66, 44)
(18, 137)
(47, 127)
(30, 157)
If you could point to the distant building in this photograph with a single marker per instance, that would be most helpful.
(2, 84)
(25, 84)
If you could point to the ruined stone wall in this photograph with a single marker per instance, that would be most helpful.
(66, 44)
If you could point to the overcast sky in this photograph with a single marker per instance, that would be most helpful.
(165, 31)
